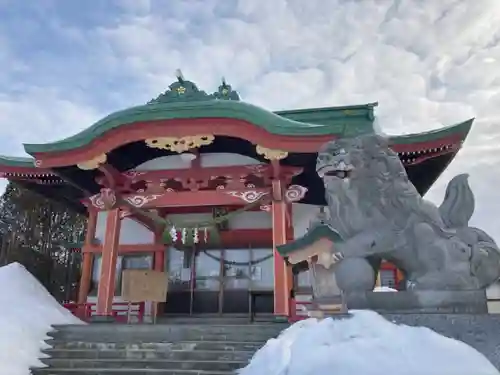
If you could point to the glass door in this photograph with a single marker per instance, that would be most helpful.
(207, 281)
(236, 281)
(179, 270)
(262, 280)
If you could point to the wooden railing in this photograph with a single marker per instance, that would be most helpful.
(121, 311)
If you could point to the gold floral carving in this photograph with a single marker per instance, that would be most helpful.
(271, 154)
(180, 144)
(93, 163)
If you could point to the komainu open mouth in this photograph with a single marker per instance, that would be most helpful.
(338, 174)
(331, 171)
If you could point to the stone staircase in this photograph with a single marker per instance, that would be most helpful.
(175, 348)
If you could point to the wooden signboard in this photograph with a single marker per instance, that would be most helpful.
(144, 285)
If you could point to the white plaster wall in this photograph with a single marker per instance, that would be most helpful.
(226, 159)
(251, 220)
(131, 231)
(165, 162)
(302, 215)
(207, 160)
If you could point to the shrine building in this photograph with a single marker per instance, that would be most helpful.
(204, 187)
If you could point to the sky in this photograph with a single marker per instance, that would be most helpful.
(66, 64)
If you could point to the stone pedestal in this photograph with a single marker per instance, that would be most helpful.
(435, 301)
(325, 306)
(480, 331)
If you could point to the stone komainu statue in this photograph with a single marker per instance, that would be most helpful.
(379, 214)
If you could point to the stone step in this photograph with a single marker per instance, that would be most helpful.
(145, 364)
(189, 354)
(258, 319)
(159, 337)
(160, 346)
(167, 349)
(168, 328)
(107, 371)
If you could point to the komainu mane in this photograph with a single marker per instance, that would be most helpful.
(379, 214)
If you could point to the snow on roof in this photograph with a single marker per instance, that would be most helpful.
(28, 311)
(365, 344)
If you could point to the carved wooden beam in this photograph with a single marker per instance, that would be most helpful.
(196, 178)
(108, 198)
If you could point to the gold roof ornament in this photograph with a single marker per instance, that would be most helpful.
(182, 144)
(271, 154)
(93, 163)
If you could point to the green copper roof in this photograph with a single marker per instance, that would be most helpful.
(462, 129)
(313, 235)
(13, 161)
(183, 100)
(324, 116)
(269, 121)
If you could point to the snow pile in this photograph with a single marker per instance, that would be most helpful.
(27, 312)
(365, 344)
(383, 289)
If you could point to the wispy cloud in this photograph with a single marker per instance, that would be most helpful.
(66, 64)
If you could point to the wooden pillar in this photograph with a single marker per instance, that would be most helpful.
(158, 265)
(87, 259)
(105, 292)
(281, 279)
(290, 236)
(399, 276)
(159, 256)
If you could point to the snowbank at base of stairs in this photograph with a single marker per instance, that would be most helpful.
(365, 344)
(27, 311)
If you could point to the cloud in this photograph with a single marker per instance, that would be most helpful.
(429, 64)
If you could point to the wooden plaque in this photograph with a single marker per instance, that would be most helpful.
(144, 286)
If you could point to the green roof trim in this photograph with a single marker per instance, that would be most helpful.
(269, 121)
(313, 235)
(462, 128)
(13, 161)
(323, 116)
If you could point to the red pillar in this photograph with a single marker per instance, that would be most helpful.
(158, 265)
(290, 236)
(106, 288)
(87, 258)
(159, 256)
(281, 277)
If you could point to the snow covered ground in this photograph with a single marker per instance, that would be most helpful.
(365, 344)
(27, 311)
